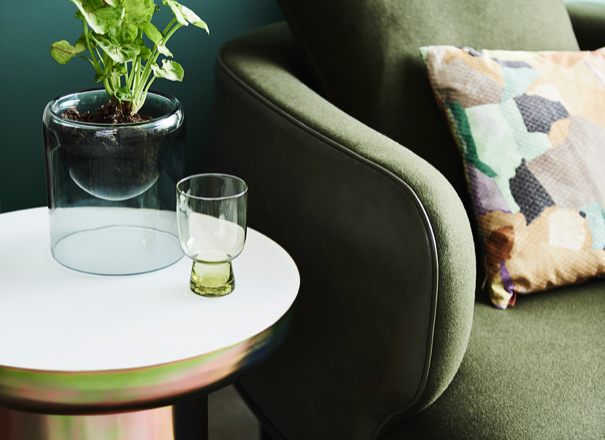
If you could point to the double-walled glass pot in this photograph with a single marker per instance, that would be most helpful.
(110, 187)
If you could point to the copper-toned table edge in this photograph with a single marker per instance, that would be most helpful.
(110, 391)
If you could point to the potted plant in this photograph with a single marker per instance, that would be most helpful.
(113, 155)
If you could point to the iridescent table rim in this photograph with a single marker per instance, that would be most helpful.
(111, 391)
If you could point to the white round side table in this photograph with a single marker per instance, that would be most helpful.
(86, 357)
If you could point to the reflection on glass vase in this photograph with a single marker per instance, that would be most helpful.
(110, 187)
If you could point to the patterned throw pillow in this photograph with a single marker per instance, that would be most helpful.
(531, 129)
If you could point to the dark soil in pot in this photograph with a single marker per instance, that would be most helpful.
(116, 161)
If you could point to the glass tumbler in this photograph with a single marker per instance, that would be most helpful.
(211, 220)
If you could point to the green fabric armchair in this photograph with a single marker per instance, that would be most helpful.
(392, 338)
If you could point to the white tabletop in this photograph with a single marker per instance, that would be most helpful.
(53, 318)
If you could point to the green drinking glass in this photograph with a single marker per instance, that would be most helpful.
(211, 219)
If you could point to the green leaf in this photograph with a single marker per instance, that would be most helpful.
(176, 10)
(124, 34)
(118, 53)
(138, 11)
(164, 51)
(123, 94)
(130, 32)
(119, 70)
(170, 70)
(101, 17)
(115, 3)
(156, 36)
(192, 18)
(80, 45)
(152, 32)
(184, 15)
(62, 51)
(145, 52)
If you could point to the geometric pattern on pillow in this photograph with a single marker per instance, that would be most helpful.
(531, 129)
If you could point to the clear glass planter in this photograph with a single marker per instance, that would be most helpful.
(110, 188)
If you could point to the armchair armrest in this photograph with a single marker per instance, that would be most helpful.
(588, 23)
(382, 242)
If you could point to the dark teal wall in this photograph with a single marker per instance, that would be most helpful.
(29, 78)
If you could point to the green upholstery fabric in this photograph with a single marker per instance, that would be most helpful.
(588, 23)
(328, 185)
(365, 54)
(545, 381)
(330, 190)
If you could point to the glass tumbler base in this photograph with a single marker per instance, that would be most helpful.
(212, 280)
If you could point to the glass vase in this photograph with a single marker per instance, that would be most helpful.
(110, 187)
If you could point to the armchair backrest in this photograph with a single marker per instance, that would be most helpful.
(365, 57)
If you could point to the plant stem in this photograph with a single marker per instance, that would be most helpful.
(87, 59)
(95, 63)
(137, 75)
(172, 31)
(108, 89)
(130, 76)
(98, 53)
(136, 106)
(168, 27)
(107, 82)
(139, 94)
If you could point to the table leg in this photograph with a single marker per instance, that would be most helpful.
(187, 420)
(264, 435)
(191, 419)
